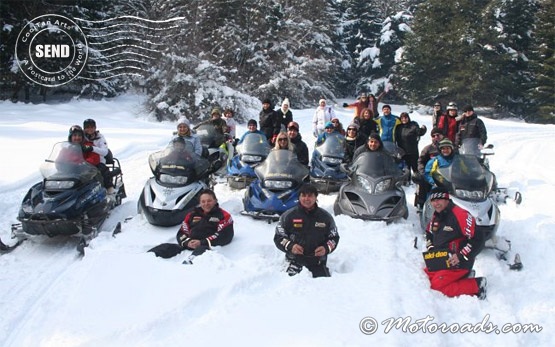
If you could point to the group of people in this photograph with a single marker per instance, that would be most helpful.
(307, 233)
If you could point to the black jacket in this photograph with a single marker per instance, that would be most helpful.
(214, 228)
(301, 149)
(455, 229)
(408, 135)
(471, 127)
(283, 119)
(269, 122)
(366, 126)
(309, 229)
(351, 145)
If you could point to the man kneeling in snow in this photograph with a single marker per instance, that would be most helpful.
(453, 229)
(307, 234)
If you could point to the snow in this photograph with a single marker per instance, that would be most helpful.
(120, 295)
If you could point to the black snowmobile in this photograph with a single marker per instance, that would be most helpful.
(374, 191)
(216, 147)
(71, 199)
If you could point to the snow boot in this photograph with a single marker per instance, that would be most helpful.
(482, 287)
(293, 268)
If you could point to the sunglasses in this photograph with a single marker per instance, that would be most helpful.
(282, 139)
(335, 121)
(351, 129)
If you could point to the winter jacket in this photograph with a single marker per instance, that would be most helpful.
(366, 126)
(283, 119)
(310, 229)
(365, 148)
(408, 135)
(351, 144)
(359, 105)
(193, 140)
(435, 163)
(268, 121)
(449, 126)
(214, 228)
(322, 115)
(301, 149)
(428, 152)
(471, 127)
(387, 126)
(100, 146)
(454, 229)
(91, 157)
(231, 126)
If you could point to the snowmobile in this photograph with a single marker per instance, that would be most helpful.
(325, 166)
(374, 191)
(275, 190)
(71, 199)
(179, 176)
(473, 187)
(249, 153)
(217, 147)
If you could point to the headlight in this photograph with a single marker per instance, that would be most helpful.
(271, 184)
(470, 194)
(383, 185)
(364, 183)
(173, 179)
(251, 158)
(330, 160)
(59, 185)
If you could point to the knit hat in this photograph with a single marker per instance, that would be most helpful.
(322, 100)
(386, 106)
(216, 110)
(252, 122)
(439, 193)
(468, 108)
(329, 125)
(446, 143)
(285, 102)
(436, 130)
(267, 101)
(184, 120)
(353, 125)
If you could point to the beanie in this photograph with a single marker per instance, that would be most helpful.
(329, 125)
(216, 110)
(386, 106)
(446, 143)
(439, 193)
(184, 120)
(251, 122)
(285, 102)
(322, 100)
(468, 108)
(267, 101)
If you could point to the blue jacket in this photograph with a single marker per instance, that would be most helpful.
(387, 125)
(435, 163)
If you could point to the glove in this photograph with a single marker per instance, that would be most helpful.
(87, 149)
(345, 104)
(429, 245)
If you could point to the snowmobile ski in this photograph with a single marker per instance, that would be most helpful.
(8, 248)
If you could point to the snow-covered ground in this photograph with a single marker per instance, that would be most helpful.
(238, 295)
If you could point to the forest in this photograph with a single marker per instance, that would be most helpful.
(189, 55)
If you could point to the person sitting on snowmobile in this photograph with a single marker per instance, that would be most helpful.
(353, 140)
(452, 229)
(77, 136)
(184, 132)
(444, 159)
(283, 142)
(373, 144)
(252, 127)
(428, 152)
(99, 146)
(206, 226)
(301, 149)
(307, 234)
(329, 129)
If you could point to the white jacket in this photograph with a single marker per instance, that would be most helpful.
(320, 118)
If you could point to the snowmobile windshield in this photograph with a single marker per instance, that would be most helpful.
(255, 145)
(66, 163)
(393, 149)
(376, 165)
(333, 146)
(469, 179)
(177, 159)
(209, 137)
(281, 165)
(471, 146)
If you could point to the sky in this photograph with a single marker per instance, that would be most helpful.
(237, 295)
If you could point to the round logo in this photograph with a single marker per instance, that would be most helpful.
(51, 50)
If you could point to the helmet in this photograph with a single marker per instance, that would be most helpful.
(452, 106)
(75, 129)
(293, 125)
(89, 122)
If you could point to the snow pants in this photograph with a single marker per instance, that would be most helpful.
(452, 282)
